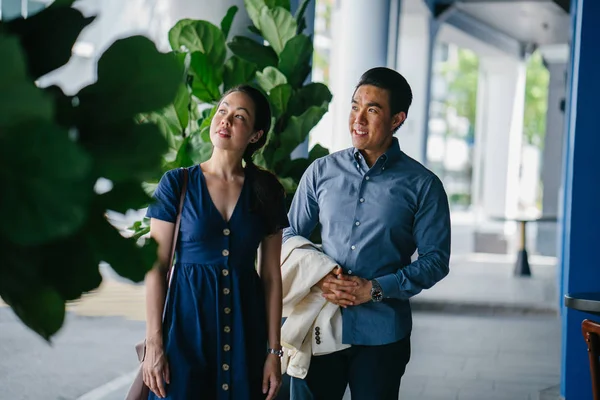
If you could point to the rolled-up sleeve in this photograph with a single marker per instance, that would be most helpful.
(304, 211)
(431, 232)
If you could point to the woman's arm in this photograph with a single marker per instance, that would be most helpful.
(156, 279)
(270, 273)
(156, 370)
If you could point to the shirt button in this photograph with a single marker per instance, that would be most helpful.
(349, 272)
(225, 387)
(383, 168)
(225, 252)
(226, 347)
(361, 200)
(227, 310)
(357, 223)
(227, 329)
(225, 367)
(353, 247)
(225, 272)
(226, 232)
(225, 291)
(367, 178)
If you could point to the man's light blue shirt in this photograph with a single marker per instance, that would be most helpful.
(372, 221)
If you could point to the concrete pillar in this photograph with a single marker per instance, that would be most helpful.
(498, 140)
(580, 221)
(413, 62)
(547, 240)
(356, 48)
(499, 131)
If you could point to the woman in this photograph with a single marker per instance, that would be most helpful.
(220, 338)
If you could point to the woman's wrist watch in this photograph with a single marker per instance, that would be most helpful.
(278, 353)
(376, 291)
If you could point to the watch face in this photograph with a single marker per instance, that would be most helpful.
(376, 295)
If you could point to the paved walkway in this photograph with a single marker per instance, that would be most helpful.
(480, 334)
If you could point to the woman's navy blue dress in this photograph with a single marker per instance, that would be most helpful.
(215, 324)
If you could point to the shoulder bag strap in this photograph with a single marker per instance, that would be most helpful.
(177, 224)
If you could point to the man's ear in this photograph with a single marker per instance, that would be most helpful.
(257, 136)
(398, 119)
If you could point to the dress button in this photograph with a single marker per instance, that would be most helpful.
(227, 310)
(367, 178)
(353, 247)
(357, 223)
(226, 291)
(226, 347)
(227, 329)
(225, 272)
(225, 386)
(361, 200)
(225, 367)
(225, 252)
(226, 232)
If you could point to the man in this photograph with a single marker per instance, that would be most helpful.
(376, 206)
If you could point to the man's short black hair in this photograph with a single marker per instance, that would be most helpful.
(392, 81)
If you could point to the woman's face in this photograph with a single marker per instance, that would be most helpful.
(232, 127)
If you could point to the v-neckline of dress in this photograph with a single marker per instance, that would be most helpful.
(212, 203)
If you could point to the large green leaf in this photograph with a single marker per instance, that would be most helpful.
(199, 149)
(40, 308)
(237, 71)
(317, 151)
(296, 132)
(199, 36)
(313, 94)
(181, 106)
(253, 7)
(277, 26)
(124, 195)
(20, 100)
(279, 97)
(182, 158)
(45, 181)
(133, 77)
(227, 20)
(123, 254)
(130, 151)
(278, 3)
(207, 78)
(48, 37)
(294, 60)
(22, 287)
(269, 78)
(253, 52)
(71, 266)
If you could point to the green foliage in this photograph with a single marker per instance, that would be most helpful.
(54, 148)
(536, 100)
(278, 68)
(463, 80)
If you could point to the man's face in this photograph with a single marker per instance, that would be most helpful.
(371, 123)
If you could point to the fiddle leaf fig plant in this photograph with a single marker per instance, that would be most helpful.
(278, 63)
(56, 149)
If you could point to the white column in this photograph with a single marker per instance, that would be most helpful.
(499, 133)
(360, 41)
(412, 63)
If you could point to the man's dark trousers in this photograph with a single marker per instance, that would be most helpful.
(373, 372)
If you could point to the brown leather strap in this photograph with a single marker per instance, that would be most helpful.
(177, 224)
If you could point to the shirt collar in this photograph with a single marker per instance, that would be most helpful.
(392, 154)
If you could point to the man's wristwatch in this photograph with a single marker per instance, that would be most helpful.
(376, 291)
(278, 353)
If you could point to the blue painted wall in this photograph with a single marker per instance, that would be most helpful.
(580, 259)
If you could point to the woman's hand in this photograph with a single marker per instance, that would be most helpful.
(272, 376)
(156, 369)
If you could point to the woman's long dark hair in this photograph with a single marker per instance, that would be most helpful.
(268, 195)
